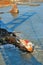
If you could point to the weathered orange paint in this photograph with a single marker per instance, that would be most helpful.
(4, 3)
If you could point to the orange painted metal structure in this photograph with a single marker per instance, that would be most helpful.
(5, 3)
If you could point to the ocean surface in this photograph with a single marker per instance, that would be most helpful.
(29, 22)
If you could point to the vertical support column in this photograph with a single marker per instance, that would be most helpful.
(14, 8)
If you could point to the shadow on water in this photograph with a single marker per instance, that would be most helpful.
(29, 59)
(13, 56)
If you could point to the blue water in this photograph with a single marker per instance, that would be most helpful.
(29, 21)
(13, 56)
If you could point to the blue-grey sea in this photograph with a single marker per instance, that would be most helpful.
(29, 23)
